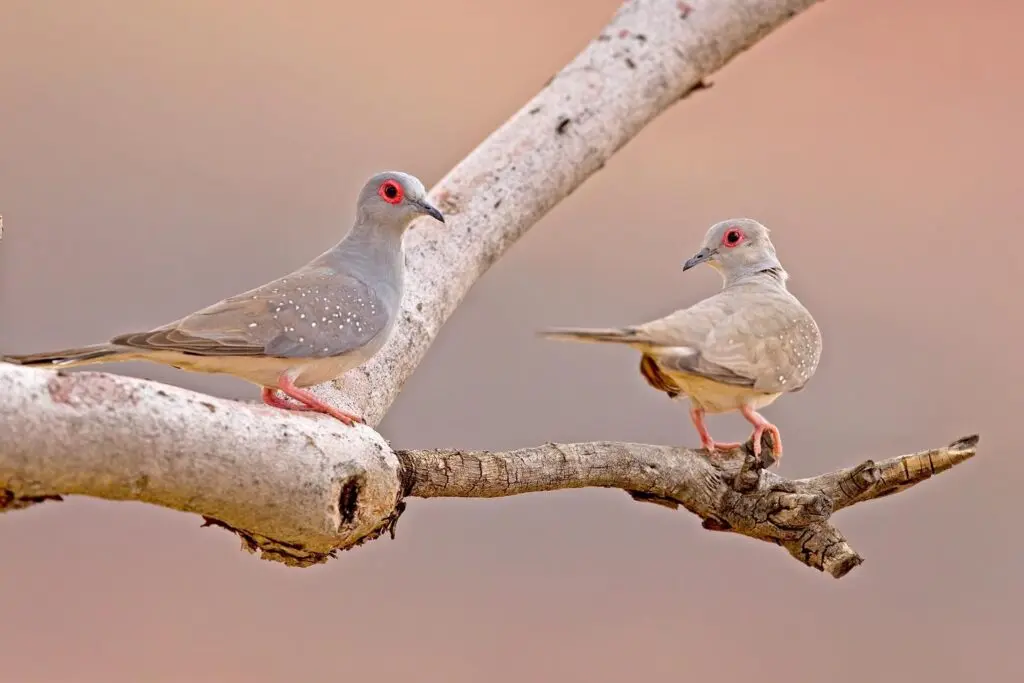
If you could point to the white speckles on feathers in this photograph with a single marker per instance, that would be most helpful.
(779, 343)
(260, 323)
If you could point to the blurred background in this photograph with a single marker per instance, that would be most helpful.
(155, 157)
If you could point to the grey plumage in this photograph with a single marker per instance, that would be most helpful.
(738, 350)
(305, 328)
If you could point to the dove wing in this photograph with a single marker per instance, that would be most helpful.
(773, 343)
(676, 340)
(763, 340)
(312, 313)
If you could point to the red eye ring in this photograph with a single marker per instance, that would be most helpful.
(391, 192)
(732, 237)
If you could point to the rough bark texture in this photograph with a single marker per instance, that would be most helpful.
(729, 493)
(299, 487)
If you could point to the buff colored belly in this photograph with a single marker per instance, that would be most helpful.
(262, 371)
(715, 397)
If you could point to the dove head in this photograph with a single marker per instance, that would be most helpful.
(737, 249)
(392, 200)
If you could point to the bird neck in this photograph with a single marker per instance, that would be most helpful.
(369, 234)
(762, 273)
(373, 253)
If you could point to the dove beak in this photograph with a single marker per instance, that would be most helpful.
(430, 210)
(701, 256)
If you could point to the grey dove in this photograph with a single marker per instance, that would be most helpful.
(310, 326)
(738, 350)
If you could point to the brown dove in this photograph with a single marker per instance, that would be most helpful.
(310, 326)
(738, 350)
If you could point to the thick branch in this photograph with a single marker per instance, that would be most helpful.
(730, 494)
(295, 486)
(649, 56)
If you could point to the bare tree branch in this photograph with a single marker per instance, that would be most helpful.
(731, 493)
(300, 487)
(296, 486)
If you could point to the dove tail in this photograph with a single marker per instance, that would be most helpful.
(97, 353)
(610, 335)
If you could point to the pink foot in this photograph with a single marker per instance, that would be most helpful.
(271, 398)
(706, 442)
(308, 402)
(761, 426)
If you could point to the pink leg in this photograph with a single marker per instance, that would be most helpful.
(308, 401)
(762, 425)
(697, 415)
(271, 398)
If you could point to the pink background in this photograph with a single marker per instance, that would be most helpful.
(157, 156)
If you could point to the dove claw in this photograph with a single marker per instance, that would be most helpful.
(761, 426)
(307, 402)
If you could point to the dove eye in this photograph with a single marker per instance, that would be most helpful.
(390, 191)
(732, 238)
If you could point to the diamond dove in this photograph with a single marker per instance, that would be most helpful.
(738, 350)
(329, 316)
